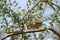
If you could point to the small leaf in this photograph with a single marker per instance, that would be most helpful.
(51, 23)
(45, 28)
(14, 1)
(29, 35)
(34, 0)
(29, 1)
(23, 9)
(10, 4)
(19, 7)
(16, 4)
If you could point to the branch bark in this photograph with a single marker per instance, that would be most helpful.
(32, 7)
(30, 31)
(55, 32)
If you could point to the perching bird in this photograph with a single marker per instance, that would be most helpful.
(36, 24)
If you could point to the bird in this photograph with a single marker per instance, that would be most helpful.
(36, 24)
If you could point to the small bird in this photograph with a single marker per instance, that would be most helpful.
(36, 24)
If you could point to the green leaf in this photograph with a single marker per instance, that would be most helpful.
(51, 23)
(16, 4)
(29, 1)
(34, 0)
(19, 7)
(1, 6)
(23, 9)
(29, 35)
(10, 4)
(14, 1)
(45, 28)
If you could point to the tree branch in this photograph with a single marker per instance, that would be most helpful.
(55, 32)
(32, 7)
(30, 31)
(51, 4)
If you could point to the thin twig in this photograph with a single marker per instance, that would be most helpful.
(32, 7)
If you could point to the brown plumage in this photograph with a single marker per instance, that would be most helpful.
(34, 24)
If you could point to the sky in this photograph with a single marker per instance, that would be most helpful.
(22, 4)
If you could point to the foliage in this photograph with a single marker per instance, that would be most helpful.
(11, 19)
